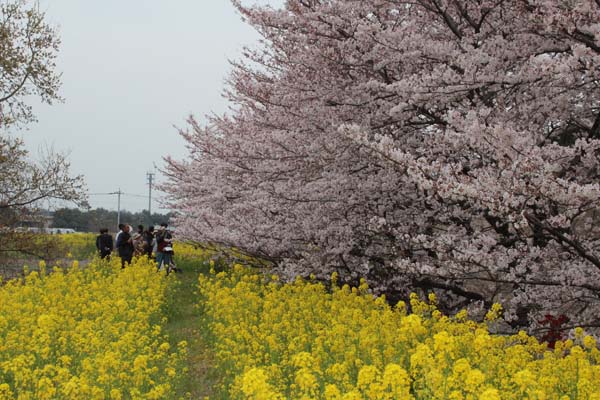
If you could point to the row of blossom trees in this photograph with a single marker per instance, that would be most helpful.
(448, 145)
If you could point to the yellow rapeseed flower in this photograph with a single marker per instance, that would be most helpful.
(85, 333)
(301, 340)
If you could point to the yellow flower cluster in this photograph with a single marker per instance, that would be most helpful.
(78, 245)
(216, 255)
(87, 333)
(190, 252)
(302, 341)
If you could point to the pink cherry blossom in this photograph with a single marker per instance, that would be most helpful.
(426, 145)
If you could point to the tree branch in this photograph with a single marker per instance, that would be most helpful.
(579, 249)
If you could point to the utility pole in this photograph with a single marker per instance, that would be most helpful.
(119, 207)
(118, 193)
(150, 176)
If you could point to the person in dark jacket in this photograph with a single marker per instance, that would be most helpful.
(121, 227)
(125, 246)
(149, 239)
(104, 243)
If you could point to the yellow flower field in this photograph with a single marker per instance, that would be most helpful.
(299, 341)
(78, 245)
(190, 253)
(87, 333)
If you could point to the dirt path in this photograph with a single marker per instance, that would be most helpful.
(185, 324)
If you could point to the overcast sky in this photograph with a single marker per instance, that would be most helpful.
(131, 71)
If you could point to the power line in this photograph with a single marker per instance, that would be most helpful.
(122, 193)
(118, 193)
(134, 195)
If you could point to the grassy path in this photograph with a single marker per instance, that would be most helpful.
(185, 324)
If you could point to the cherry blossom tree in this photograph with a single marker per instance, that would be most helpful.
(444, 145)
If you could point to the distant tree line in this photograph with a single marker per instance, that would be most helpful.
(94, 220)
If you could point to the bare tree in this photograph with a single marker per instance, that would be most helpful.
(28, 49)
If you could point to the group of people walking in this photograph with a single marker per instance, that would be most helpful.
(153, 244)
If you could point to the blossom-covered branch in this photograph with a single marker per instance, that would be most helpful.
(446, 145)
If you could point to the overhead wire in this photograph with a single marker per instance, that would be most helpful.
(122, 194)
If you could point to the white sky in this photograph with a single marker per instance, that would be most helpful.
(132, 70)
